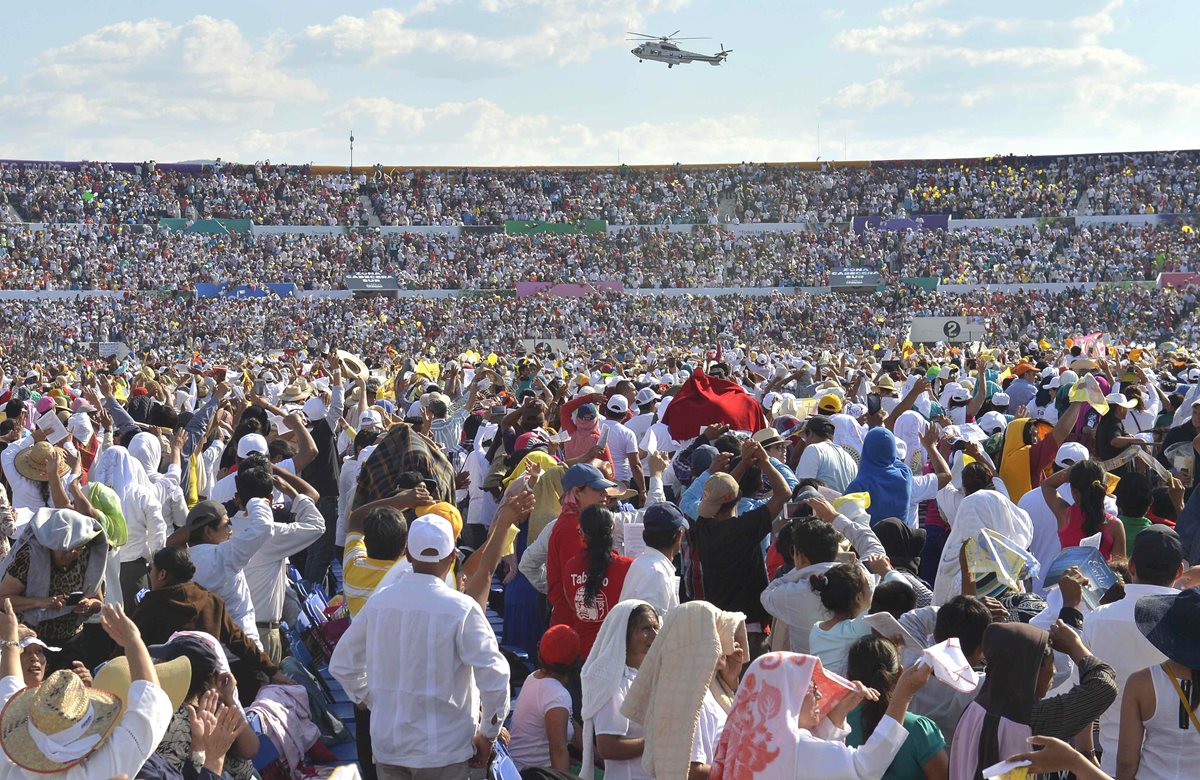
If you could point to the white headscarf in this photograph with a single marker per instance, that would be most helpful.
(118, 469)
(982, 509)
(909, 428)
(605, 668)
(147, 449)
(847, 432)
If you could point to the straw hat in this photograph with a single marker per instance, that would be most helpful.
(174, 677)
(34, 462)
(65, 714)
(296, 392)
(352, 364)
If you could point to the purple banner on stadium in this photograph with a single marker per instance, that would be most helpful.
(566, 290)
(916, 222)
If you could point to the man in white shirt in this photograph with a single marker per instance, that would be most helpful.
(623, 446)
(822, 459)
(265, 572)
(221, 548)
(651, 577)
(1111, 632)
(815, 544)
(439, 697)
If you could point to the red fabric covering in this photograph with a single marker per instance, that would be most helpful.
(705, 400)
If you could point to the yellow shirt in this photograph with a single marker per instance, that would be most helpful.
(360, 574)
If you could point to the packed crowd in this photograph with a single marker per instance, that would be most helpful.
(1149, 183)
(681, 559)
(123, 257)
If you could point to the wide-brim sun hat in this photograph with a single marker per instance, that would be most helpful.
(34, 462)
(1172, 624)
(62, 716)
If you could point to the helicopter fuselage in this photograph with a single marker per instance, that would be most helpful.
(673, 55)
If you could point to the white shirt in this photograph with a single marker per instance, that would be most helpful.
(220, 567)
(170, 497)
(708, 730)
(610, 721)
(131, 741)
(651, 578)
(621, 444)
(924, 488)
(529, 744)
(829, 463)
(482, 509)
(145, 523)
(1111, 633)
(427, 691)
(265, 572)
(347, 482)
(533, 560)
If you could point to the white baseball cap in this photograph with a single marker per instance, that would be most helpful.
(1070, 453)
(430, 539)
(618, 404)
(370, 417)
(252, 442)
(993, 422)
(645, 396)
(1000, 399)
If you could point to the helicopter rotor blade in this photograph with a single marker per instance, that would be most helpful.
(641, 35)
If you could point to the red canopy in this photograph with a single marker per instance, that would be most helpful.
(705, 400)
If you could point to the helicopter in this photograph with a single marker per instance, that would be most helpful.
(662, 48)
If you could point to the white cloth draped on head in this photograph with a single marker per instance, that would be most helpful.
(847, 432)
(668, 692)
(122, 472)
(604, 670)
(909, 428)
(982, 509)
(147, 449)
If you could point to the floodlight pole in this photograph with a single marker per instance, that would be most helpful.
(351, 151)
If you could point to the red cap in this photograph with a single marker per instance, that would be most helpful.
(559, 646)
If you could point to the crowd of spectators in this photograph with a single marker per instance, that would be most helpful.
(177, 326)
(994, 187)
(127, 257)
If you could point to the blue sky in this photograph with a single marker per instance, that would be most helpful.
(499, 82)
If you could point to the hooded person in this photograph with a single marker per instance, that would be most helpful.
(848, 434)
(884, 476)
(904, 545)
(909, 427)
(788, 721)
(683, 692)
(146, 527)
(580, 419)
(147, 449)
(983, 509)
(1011, 705)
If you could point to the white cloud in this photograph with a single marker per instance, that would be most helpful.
(914, 8)
(872, 95)
(559, 31)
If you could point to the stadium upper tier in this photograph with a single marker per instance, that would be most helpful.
(67, 257)
(981, 188)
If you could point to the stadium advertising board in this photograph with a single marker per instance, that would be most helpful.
(955, 330)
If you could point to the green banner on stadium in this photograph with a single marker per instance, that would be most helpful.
(927, 283)
(533, 227)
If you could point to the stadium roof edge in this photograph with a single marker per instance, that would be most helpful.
(802, 164)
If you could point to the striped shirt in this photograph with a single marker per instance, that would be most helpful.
(360, 574)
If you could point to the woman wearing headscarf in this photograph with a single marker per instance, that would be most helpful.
(883, 475)
(789, 720)
(982, 509)
(910, 428)
(848, 434)
(59, 552)
(147, 529)
(1011, 705)
(147, 449)
(684, 690)
(904, 546)
(621, 646)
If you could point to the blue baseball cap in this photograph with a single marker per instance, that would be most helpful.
(665, 515)
(585, 475)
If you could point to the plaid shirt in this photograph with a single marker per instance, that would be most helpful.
(401, 450)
